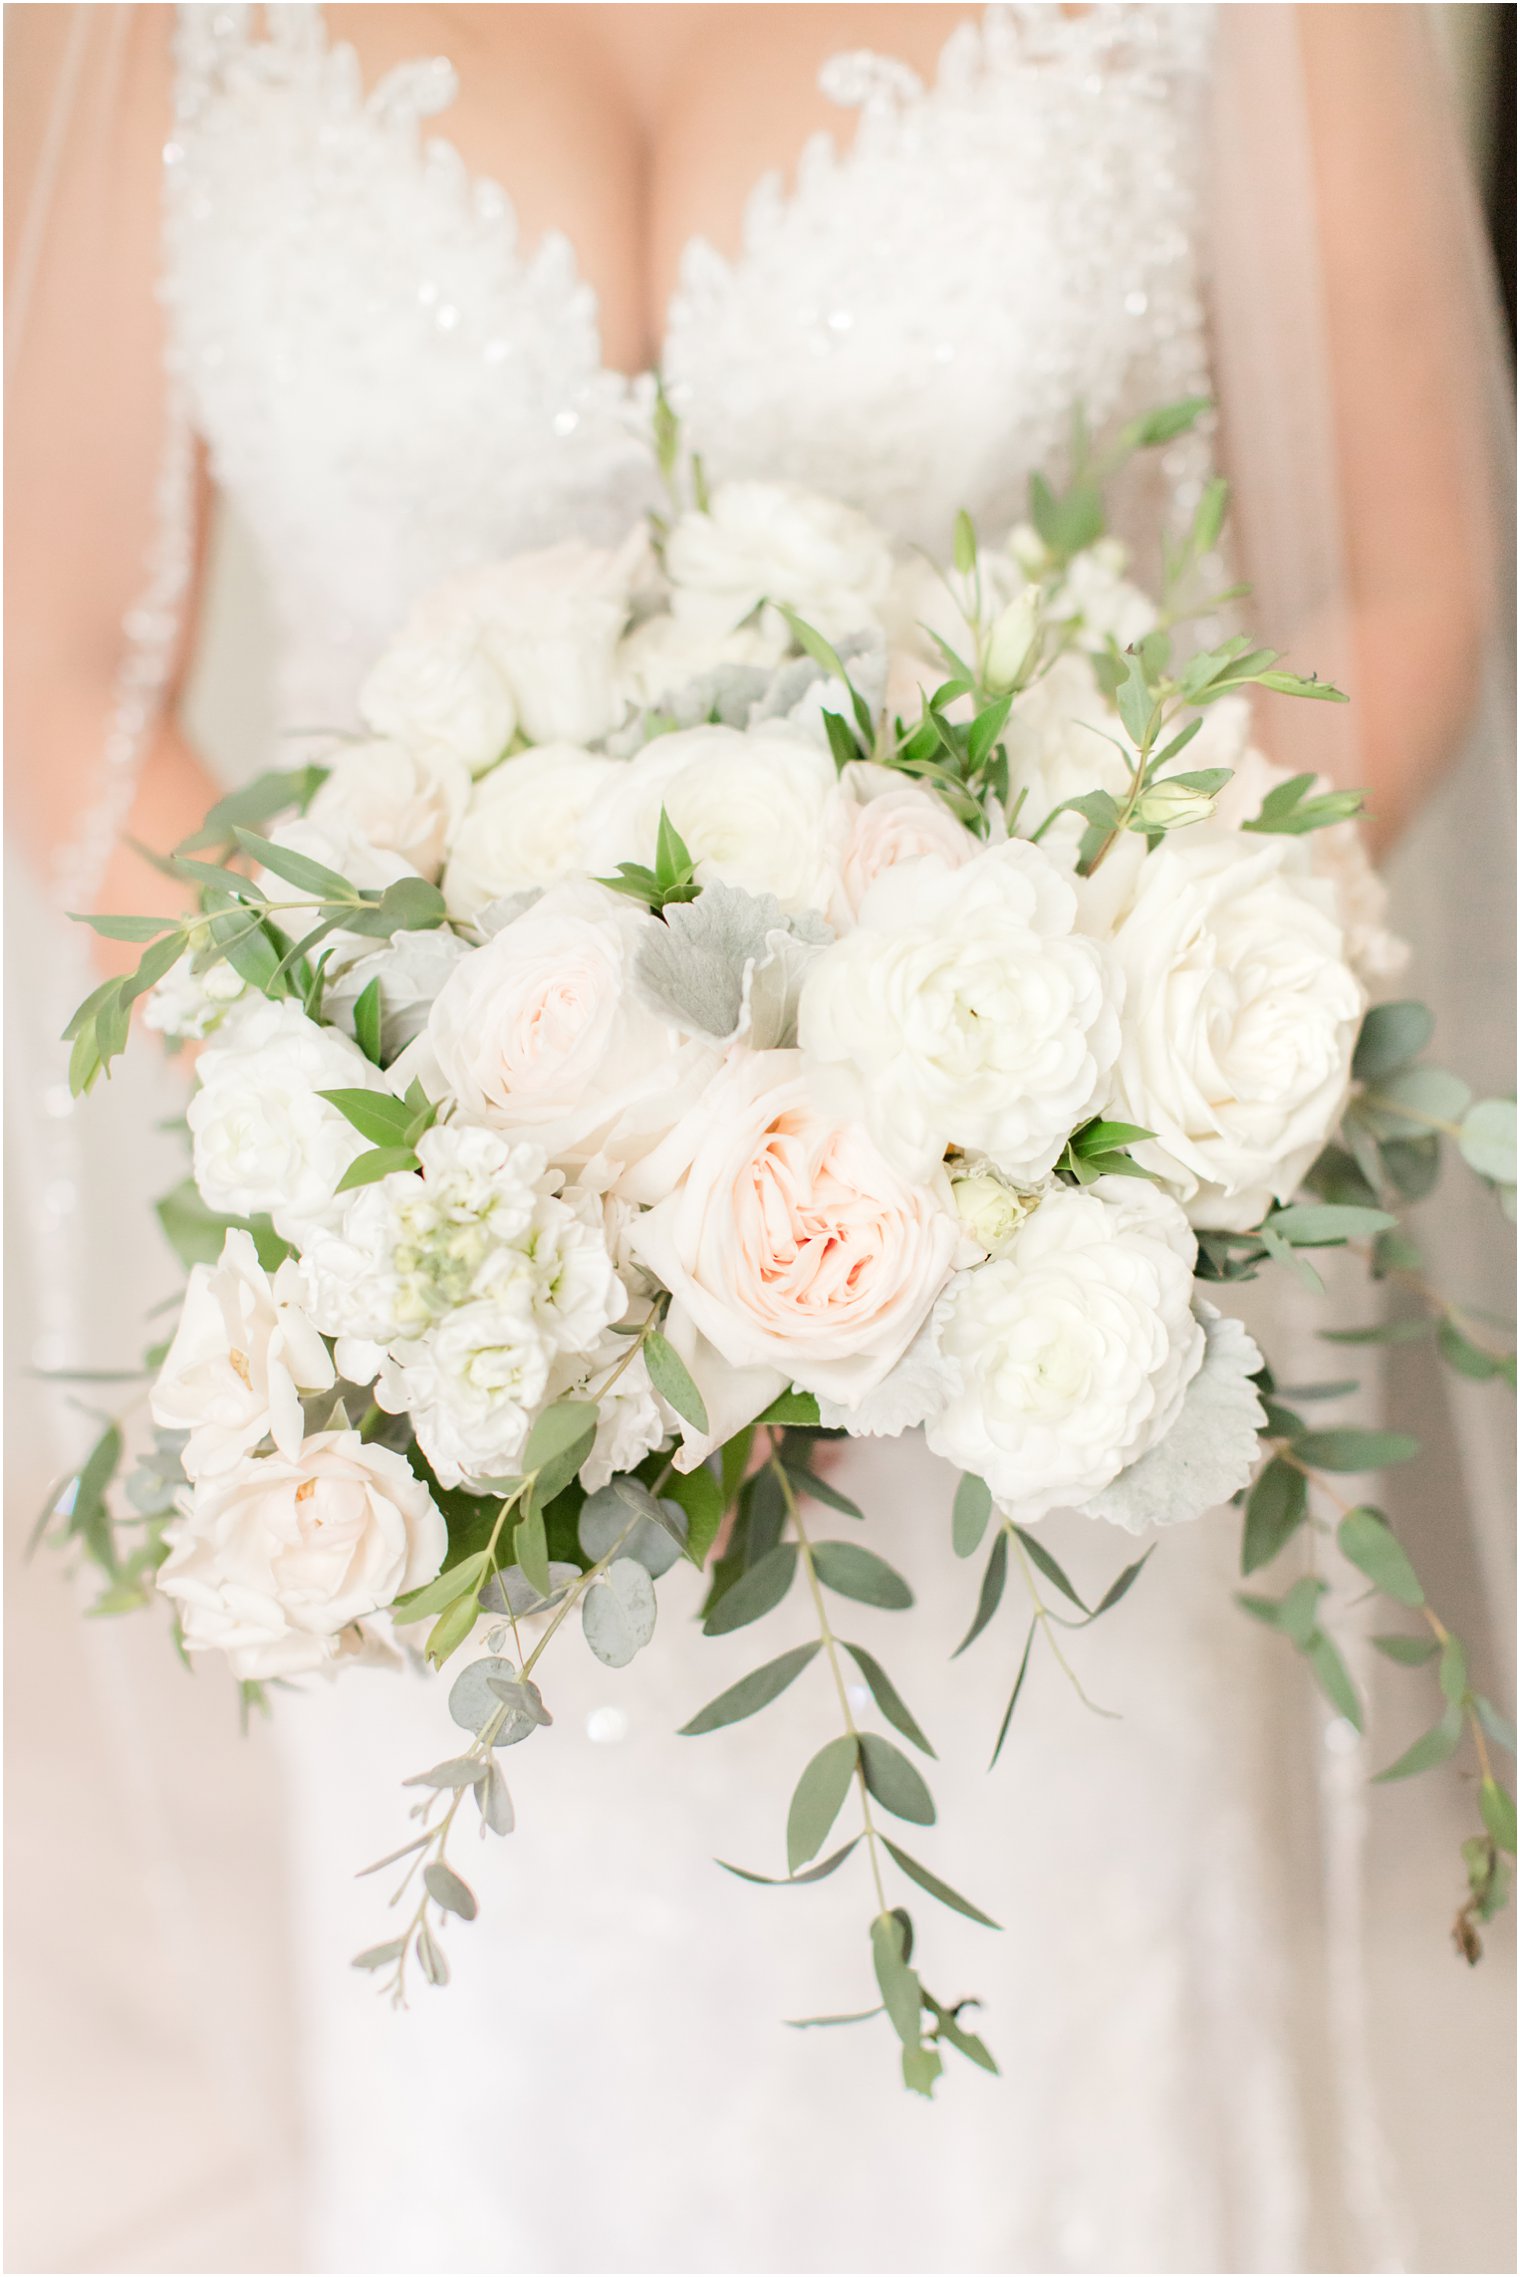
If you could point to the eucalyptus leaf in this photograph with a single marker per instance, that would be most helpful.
(1487, 1140)
(818, 1873)
(993, 1580)
(1334, 1677)
(473, 1703)
(969, 1516)
(1391, 1035)
(1013, 1697)
(377, 1956)
(755, 1593)
(618, 1613)
(853, 1571)
(938, 1889)
(1367, 1540)
(818, 1799)
(1409, 1652)
(1498, 1808)
(895, 1782)
(431, 1958)
(1276, 1506)
(494, 1802)
(752, 1692)
(558, 1444)
(1434, 1747)
(658, 1529)
(886, 1695)
(899, 1985)
(1353, 1450)
(672, 1380)
(445, 1888)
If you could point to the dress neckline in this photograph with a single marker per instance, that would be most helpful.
(888, 93)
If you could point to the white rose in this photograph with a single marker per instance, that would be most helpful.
(1057, 739)
(551, 622)
(1069, 1356)
(895, 820)
(524, 825)
(1337, 854)
(762, 810)
(472, 1385)
(969, 1011)
(411, 969)
(775, 541)
(1240, 1017)
(401, 801)
(542, 1033)
(790, 1244)
(242, 1355)
(277, 1556)
(442, 692)
(263, 1139)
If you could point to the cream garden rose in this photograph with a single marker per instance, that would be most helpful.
(968, 1011)
(441, 692)
(894, 820)
(790, 1244)
(542, 1034)
(760, 809)
(277, 1556)
(1240, 1018)
(550, 622)
(1070, 1355)
(524, 824)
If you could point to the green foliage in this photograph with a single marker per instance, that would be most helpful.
(668, 1374)
(853, 1571)
(752, 1692)
(755, 1593)
(818, 1799)
(968, 1518)
(886, 1695)
(1276, 1506)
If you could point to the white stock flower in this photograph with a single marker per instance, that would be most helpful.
(630, 1421)
(543, 1034)
(777, 542)
(790, 1243)
(192, 1005)
(441, 691)
(1069, 1356)
(401, 801)
(264, 1141)
(894, 820)
(762, 810)
(472, 1385)
(243, 1353)
(275, 1557)
(1240, 1017)
(969, 1011)
(523, 828)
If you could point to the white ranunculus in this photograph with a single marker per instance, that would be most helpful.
(551, 622)
(402, 801)
(192, 1005)
(990, 1209)
(442, 691)
(523, 828)
(762, 810)
(894, 820)
(543, 1034)
(242, 1355)
(1069, 1356)
(274, 1558)
(411, 969)
(790, 1243)
(1240, 1017)
(473, 1385)
(775, 541)
(1338, 854)
(264, 1141)
(969, 1011)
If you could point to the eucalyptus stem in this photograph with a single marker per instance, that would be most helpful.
(1047, 1620)
(831, 1651)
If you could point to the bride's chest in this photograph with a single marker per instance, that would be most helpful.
(367, 345)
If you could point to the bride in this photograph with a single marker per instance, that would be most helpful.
(882, 251)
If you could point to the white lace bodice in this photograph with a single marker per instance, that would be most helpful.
(391, 387)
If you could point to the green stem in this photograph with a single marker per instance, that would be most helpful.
(831, 1649)
(1048, 1622)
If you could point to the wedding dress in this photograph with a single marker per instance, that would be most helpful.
(391, 388)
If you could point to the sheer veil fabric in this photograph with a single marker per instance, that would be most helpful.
(1198, 1995)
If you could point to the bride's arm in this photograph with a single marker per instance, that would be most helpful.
(84, 432)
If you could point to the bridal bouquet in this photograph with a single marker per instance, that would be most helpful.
(740, 989)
